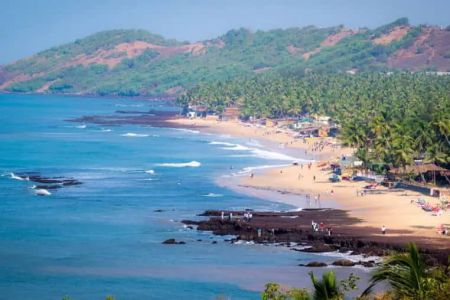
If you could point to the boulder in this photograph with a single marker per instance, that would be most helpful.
(344, 263)
(315, 264)
(173, 242)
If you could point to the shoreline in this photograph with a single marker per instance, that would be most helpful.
(393, 208)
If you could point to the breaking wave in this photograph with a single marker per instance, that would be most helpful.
(192, 164)
(131, 134)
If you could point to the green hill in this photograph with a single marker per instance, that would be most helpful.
(135, 62)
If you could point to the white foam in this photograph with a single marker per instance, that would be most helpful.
(106, 130)
(297, 209)
(349, 256)
(42, 192)
(251, 169)
(81, 126)
(131, 134)
(254, 151)
(14, 176)
(188, 130)
(129, 105)
(213, 195)
(151, 172)
(192, 164)
(222, 143)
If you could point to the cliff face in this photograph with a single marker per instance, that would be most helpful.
(135, 62)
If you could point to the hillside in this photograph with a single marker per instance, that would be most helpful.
(135, 62)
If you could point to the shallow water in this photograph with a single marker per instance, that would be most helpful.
(104, 236)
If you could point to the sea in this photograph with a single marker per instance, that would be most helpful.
(104, 236)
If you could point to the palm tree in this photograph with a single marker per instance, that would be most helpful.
(327, 288)
(406, 273)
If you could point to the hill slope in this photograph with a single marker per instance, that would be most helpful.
(135, 62)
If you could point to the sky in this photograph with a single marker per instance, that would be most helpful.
(29, 26)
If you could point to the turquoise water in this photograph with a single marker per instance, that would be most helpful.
(104, 237)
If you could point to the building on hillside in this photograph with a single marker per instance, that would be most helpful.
(230, 113)
(197, 111)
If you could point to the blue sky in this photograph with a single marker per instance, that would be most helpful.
(30, 26)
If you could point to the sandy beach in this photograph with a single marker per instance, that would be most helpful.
(393, 208)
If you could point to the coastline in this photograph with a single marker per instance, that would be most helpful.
(394, 209)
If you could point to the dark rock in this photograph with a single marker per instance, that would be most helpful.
(173, 242)
(315, 264)
(367, 264)
(319, 248)
(344, 263)
(190, 227)
(158, 210)
(214, 242)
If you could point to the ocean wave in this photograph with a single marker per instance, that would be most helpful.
(352, 257)
(192, 164)
(105, 130)
(42, 192)
(213, 195)
(151, 172)
(222, 143)
(254, 151)
(81, 126)
(16, 177)
(131, 134)
(129, 105)
(187, 130)
(251, 169)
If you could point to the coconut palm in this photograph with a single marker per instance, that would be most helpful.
(407, 275)
(327, 288)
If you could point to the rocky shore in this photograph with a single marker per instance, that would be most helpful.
(339, 232)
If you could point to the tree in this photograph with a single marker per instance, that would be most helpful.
(408, 276)
(327, 288)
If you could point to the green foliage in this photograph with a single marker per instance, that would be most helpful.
(391, 119)
(327, 288)
(349, 284)
(410, 278)
(237, 54)
(273, 291)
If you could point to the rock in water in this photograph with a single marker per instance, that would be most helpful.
(344, 263)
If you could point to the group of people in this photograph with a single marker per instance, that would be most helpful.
(316, 227)
(248, 216)
(316, 200)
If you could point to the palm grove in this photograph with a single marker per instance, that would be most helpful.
(390, 118)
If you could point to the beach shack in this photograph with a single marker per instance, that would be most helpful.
(423, 171)
(230, 113)
(197, 111)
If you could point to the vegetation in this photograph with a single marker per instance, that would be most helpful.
(237, 54)
(409, 278)
(391, 119)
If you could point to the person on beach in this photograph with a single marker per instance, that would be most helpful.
(252, 175)
(250, 216)
(383, 229)
(231, 216)
(314, 178)
(222, 214)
